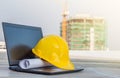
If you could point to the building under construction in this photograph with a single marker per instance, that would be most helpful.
(84, 33)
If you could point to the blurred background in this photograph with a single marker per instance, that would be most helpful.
(90, 27)
(49, 15)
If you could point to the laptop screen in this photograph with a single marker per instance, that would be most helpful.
(20, 39)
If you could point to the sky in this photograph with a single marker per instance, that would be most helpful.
(47, 14)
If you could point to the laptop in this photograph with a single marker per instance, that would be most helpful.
(20, 39)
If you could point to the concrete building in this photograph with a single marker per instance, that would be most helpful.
(86, 33)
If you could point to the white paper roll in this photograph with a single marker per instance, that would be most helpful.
(33, 63)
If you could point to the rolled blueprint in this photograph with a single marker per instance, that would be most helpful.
(33, 63)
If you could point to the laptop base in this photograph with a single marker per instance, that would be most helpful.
(50, 70)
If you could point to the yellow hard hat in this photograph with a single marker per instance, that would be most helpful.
(54, 50)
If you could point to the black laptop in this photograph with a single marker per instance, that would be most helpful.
(20, 39)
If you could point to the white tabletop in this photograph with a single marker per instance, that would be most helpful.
(92, 69)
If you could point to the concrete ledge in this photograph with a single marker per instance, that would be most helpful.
(96, 56)
(86, 56)
(2, 50)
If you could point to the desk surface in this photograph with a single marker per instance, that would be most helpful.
(91, 70)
